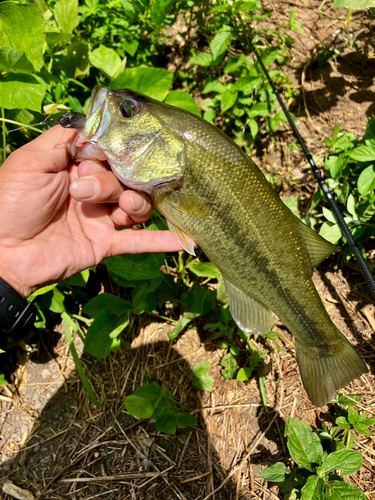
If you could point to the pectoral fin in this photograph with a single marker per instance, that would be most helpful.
(186, 241)
(194, 206)
(318, 248)
(249, 314)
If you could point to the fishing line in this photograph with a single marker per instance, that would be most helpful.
(331, 201)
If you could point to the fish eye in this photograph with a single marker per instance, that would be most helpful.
(129, 108)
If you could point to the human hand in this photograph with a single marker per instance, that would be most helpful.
(47, 234)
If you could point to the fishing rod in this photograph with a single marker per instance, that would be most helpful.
(331, 201)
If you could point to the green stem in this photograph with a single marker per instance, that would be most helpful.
(2, 119)
(4, 133)
(262, 388)
(164, 317)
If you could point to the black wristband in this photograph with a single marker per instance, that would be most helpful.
(17, 315)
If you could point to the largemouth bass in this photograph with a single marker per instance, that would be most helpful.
(212, 193)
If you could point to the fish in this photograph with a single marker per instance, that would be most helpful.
(212, 194)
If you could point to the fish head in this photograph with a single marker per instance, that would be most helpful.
(123, 128)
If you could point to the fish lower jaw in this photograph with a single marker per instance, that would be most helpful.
(82, 149)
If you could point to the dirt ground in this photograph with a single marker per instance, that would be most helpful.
(56, 445)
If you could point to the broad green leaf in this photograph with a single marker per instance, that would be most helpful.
(198, 299)
(244, 374)
(153, 82)
(131, 47)
(200, 378)
(249, 6)
(12, 60)
(247, 84)
(362, 153)
(229, 364)
(338, 490)
(136, 267)
(304, 445)
(329, 215)
(220, 43)
(202, 59)
(353, 4)
(98, 341)
(204, 269)
(182, 323)
(107, 61)
(167, 424)
(183, 100)
(41, 291)
(24, 27)
(342, 422)
(313, 489)
(66, 15)
(142, 402)
(269, 56)
(330, 232)
(144, 297)
(2, 379)
(254, 128)
(275, 473)
(348, 461)
(213, 86)
(166, 404)
(74, 61)
(159, 9)
(361, 429)
(353, 416)
(57, 301)
(19, 91)
(228, 99)
(114, 304)
(366, 180)
(259, 109)
(185, 420)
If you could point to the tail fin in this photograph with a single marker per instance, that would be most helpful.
(329, 370)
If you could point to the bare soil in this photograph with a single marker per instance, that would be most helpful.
(56, 445)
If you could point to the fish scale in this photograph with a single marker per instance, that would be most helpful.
(211, 192)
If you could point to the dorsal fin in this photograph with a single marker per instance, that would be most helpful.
(249, 314)
(317, 247)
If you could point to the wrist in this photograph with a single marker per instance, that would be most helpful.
(17, 315)
(22, 289)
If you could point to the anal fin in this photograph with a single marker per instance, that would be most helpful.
(186, 241)
(249, 314)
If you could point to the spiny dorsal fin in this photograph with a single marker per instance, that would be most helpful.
(317, 247)
(249, 314)
(186, 241)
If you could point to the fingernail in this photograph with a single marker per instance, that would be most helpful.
(84, 189)
(137, 202)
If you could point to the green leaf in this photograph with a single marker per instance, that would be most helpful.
(313, 489)
(259, 109)
(338, 490)
(254, 128)
(41, 291)
(200, 378)
(166, 404)
(167, 424)
(204, 269)
(210, 116)
(244, 374)
(228, 99)
(202, 59)
(143, 296)
(269, 56)
(114, 304)
(370, 421)
(366, 180)
(353, 4)
(362, 429)
(276, 473)
(349, 461)
(153, 82)
(24, 27)
(183, 100)
(136, 267)
(131, 47)
(184, 420)
(142, 403)
(229, 363)
(342, 422)
(213, 86)
(159, 9)
(303, 444)
(74, 61)
(330, 232)
(21, 91)
(247, 84)
(107, 61)
(12, 60)
(182, 323)
(362, 153)
(57, 302)
(220, 43)
(66, 15)
(353, 416)
(198, 299)
(98, 341)
(2, 379)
